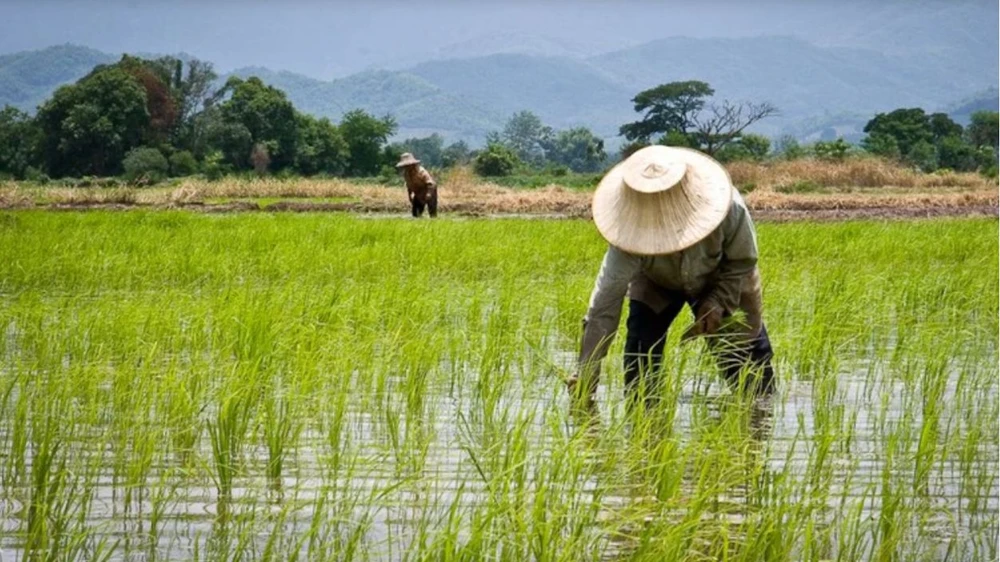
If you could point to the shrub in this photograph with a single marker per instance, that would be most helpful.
(835, 151)
(496, 160)
(183, 163)
(214, 166)
(145, 165)
(33, 174)
(800, 186)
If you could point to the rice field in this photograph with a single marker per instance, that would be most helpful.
(264, 386)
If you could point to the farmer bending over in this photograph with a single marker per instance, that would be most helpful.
(679, 233)
(420, 187)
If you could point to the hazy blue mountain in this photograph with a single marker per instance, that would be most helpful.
(987, 100)
(419, 106)
(802, 80)
(28, 78)
(820, 91)
(562, 91)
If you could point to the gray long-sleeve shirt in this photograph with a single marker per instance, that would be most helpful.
(713, 269)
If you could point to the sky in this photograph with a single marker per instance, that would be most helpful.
(332, 39)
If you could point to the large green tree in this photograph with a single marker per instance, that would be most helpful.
(320, 149)
(430, 150)
(984, 129)
(266, 114)
(680, 113)
(905, 126)
(578, 149)
(667, 107)
(365, 136)
(88, 127)
(19, 142)
(528, 137)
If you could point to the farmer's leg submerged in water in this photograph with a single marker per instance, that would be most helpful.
(744, 351)
(746, 362)
(647, 331)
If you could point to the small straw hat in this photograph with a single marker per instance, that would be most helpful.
(661, 200)
(407, 159)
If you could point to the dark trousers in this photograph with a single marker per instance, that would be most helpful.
(734, 352)
(431, 203)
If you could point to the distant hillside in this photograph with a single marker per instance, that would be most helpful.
(987, 100)
(563, 92)
(802, 80)
(418, 105)
(28, 78)
(821, 92)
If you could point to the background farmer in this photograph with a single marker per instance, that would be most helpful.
(679, 233)
(420, 187)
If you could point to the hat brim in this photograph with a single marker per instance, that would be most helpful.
(667, 221)
(405, 163)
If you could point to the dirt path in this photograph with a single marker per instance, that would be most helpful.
(574, 210)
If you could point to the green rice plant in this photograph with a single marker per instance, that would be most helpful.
(228, 434)
(397, 378)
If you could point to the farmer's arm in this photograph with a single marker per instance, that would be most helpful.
(605, 310)
(739, 258)
(428, 181)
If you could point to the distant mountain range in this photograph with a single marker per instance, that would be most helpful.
(820, 91)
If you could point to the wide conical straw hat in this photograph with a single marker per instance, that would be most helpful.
(406, 159)
(661, 200)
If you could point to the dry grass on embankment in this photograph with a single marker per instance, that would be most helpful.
(803, 188)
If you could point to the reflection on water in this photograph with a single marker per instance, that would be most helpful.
(390, 479)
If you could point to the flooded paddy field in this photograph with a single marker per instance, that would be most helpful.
(323, 387)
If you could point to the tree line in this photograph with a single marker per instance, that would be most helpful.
(150, 119)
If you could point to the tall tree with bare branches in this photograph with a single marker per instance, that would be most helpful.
(722, 124)
(679, 113)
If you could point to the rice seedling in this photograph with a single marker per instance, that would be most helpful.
(319, 386)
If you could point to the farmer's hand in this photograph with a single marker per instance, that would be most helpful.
(708, 319)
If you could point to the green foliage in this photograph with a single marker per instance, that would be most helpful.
(145, 165)
(429, 150)
(881, 144)
(528, 137)
(496, 160)
(183, 163)
(788, 148)
(365, 136)
(456, 154)
(668, 107)
(800, 186)
(907, 127)
(956, 154)
(89, 126)
(986, 160)
(320, 148)
(19, 141)
(215, 166)
(578, 149)
(923, 155)
(629, 149)
(984, 129)
(266, 114)
(942, 126)
(232, 140)
(552, 176)
(677, 138)
(749, 147)
(835, 151)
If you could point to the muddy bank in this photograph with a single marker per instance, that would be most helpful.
(568, 210)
